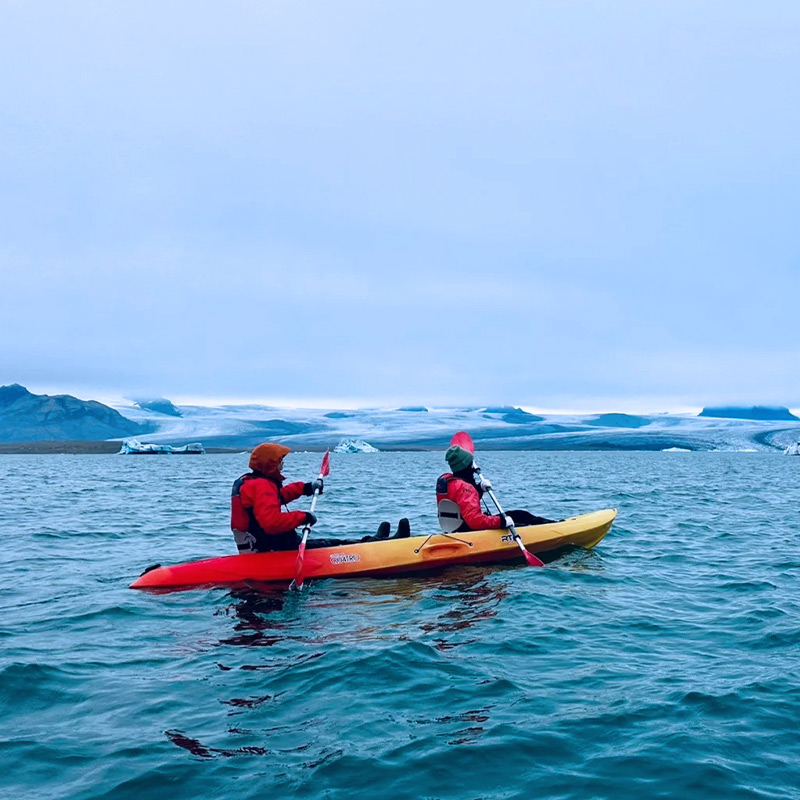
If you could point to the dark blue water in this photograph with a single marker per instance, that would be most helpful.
(665, 663)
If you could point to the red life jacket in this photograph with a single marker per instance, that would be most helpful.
(256, 519)
(468, 499)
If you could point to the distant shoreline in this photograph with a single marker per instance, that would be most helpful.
(112, 448)
(80, 448)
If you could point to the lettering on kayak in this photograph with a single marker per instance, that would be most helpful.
(345, 558)
(507, 538)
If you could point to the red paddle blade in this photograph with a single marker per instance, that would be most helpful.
(298, 566)
(463, 439)
(532, 560)
(325, 469)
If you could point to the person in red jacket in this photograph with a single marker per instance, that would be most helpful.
(258, 522)
(465, 487)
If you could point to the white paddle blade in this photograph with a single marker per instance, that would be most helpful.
(449, 516)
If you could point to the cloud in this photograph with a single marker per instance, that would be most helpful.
(541, 204)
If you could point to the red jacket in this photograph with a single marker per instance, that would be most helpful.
(256, 503)
(468, 500)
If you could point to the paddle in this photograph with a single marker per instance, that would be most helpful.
(324, 471)
(464, 440)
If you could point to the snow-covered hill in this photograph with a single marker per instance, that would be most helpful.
(244, 426)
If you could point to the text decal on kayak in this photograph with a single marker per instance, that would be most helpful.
(342, 558)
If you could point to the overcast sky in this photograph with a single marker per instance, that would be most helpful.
(556, 204)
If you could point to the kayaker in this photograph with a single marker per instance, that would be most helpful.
(258, 522)
(465, 486)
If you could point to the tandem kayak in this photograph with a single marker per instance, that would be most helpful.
(387, 557)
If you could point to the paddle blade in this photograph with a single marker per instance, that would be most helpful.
(464, 440)
(532, 560)
(325, 469)
(298, 565)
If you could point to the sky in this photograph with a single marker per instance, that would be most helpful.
(562, 204)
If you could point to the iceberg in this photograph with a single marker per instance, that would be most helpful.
(354, 446)
(792, 450)
(135, 447)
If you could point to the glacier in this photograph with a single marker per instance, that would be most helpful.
(498, 428)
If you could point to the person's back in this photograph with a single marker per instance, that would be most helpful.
(463, 487)
(258, 522)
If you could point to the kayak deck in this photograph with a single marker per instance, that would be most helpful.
(391, 556)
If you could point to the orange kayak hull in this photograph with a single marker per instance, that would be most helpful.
(392, 556)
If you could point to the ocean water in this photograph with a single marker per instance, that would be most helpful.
(663, 664)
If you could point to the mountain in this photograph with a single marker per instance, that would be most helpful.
(771, 413)
(27, 417)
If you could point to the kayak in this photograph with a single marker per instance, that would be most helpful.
(386, 557)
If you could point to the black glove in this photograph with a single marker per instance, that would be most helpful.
(308, 488)
(310, 518)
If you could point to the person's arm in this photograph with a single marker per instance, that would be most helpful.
(291, 491)
(469, 503)
(266, 504)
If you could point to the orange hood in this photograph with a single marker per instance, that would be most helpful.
(266, 459)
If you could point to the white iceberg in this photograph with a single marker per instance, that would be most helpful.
(135, 447)
(792, 450)
(354, 446)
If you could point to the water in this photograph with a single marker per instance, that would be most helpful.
(662, 664)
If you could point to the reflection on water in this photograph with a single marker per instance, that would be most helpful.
(470, 601)
(327, 615)
(197, 749)
(248, 702)
(250, 607)
(470, 594)
(466, 735)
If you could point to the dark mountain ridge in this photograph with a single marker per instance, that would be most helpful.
(28, 417)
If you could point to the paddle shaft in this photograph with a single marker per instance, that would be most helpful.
(301, 550)
(307, 527)
(529, 557)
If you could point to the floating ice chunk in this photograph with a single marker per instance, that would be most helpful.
(792, 450)
(354, 446)
(135, 447)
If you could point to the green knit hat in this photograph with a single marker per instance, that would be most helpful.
(458, 458)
